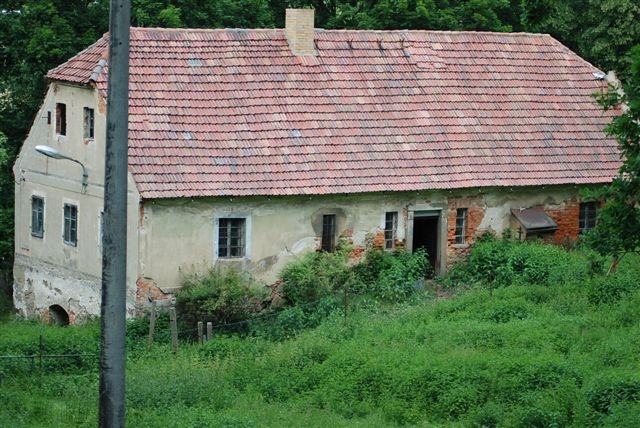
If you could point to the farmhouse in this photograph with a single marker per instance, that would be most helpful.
(248, 148)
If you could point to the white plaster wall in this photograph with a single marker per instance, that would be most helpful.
(60, 182)
(179, 236)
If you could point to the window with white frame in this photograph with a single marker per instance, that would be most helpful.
(328, 243)
(588, 215)
(70, 226)
(231, 237)
(87, 123)
(461, 226)
(390, 227)
(37, 216)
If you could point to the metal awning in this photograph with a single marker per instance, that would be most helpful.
(534, 220)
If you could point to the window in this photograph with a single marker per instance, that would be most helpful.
(390, 226)
(231, 237)
(70, 229)
(461, 226)
(328, 233)
(88, 122)
(588, 214)
(61, 119)
(37, 216)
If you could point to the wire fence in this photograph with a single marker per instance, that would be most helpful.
(204, 331)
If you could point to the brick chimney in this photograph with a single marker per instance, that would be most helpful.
(299, 31)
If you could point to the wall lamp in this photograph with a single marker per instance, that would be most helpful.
(53, 153)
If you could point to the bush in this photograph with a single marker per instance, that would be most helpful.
(399, 275)
(220, 296)
(611, 288)
(501, 262)
(390, 276)
(607, 393)
(315, 276)
(291, 320)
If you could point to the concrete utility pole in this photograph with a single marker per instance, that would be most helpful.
(114, 238)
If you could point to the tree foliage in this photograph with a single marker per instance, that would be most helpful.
(618, 229)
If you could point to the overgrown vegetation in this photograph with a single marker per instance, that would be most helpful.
(496, 263)
(562, 352)
(311, 288)
(220, 296)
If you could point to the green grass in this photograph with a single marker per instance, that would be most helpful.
(564, 354)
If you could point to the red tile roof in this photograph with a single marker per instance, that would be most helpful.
(234, 112)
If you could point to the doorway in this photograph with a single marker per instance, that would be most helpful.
(425, 235)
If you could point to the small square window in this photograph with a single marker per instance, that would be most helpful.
(461, 226)
(61, 119)
(588, 216)
(231, 237)
(328, 233)
(37, 216)
(70, 229)
(88, 118)
(390, 226)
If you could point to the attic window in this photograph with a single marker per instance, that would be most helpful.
(61, 119)
(88, 123)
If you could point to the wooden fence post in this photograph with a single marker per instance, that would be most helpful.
(174, 328)
(209, 330)
(152, 321)
(200, 339)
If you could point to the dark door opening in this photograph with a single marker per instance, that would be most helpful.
(425, 235)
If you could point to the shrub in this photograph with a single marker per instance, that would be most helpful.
(399, 275)
(611, 288)
(390, 276)
(501, 262)
(315, 276)
(606, 393)
(291, 320)
(220, 296)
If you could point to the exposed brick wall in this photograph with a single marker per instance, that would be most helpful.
(147, 290)
(566, 217)
(475, 214)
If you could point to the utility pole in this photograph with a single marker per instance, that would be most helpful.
(114, 238)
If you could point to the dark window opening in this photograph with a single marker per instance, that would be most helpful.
(231, 237)
(37, 216)
(390, 227)
(461, 226)
(588, 216)
(70, 233)
(61, 119)
(328, 233)
(88, 122)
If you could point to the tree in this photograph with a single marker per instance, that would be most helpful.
(618, 229)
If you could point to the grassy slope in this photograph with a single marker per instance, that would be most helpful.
(519, 356)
